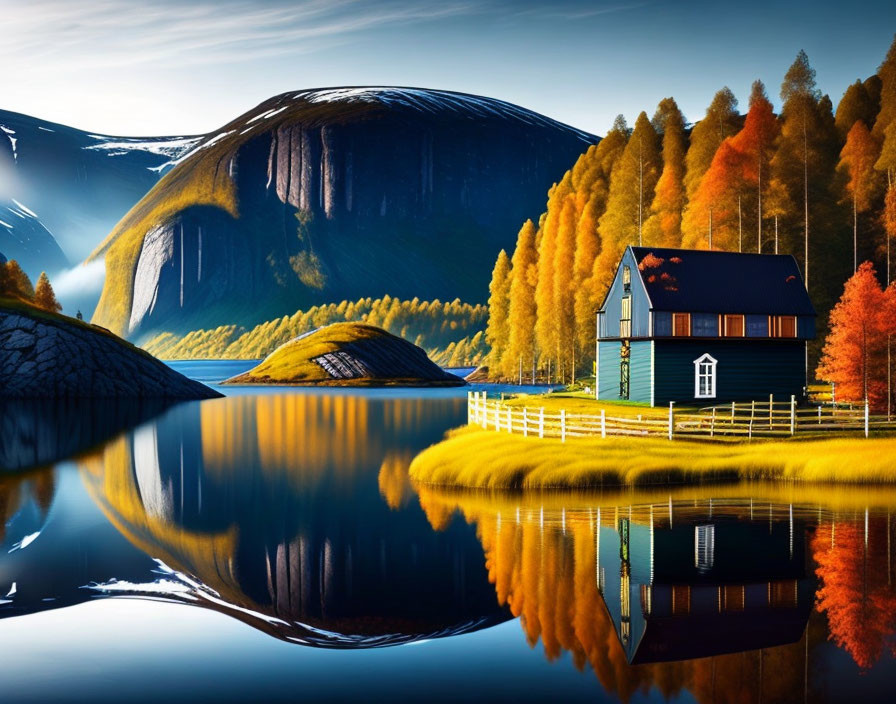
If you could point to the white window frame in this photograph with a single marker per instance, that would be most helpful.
(712, 363)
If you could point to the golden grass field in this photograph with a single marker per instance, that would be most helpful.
(482, 459)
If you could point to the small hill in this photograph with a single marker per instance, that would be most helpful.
(348, 354)
(45, 355)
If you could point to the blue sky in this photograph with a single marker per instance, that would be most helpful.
(136, 67)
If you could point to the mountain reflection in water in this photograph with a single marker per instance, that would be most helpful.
(254, 506)
(292, 512)
(702, 591)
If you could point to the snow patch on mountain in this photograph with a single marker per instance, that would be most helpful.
(432, 101)
(171, 147)
(12, 140)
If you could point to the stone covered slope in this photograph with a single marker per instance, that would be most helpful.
(348, 354)
(43, 355)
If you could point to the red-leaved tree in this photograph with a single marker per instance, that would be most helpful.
(855, 351)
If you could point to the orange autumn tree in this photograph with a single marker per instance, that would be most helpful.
(855, 351)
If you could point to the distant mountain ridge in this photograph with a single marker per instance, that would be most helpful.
(74, 184)
(403, 191)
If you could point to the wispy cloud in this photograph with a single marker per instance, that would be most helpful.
(70, 35)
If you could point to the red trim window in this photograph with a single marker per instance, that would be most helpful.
(785, 326)
(734, 326)
(681, 324)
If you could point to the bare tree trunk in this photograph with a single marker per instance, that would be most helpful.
(740, 227)
(640, 189)
(710, 228)
(855, 236)
(759, 199)
(806, 198)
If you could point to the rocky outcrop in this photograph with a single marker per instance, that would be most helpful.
(49, 356)
(401, 191)
(348, 354)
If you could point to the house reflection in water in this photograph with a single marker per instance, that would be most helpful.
(700, 584)
(705, 595)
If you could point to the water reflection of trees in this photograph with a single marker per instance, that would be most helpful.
(546, 563)
(17, 490)
(856, 592)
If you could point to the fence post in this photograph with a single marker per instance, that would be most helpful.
(603, 423)
(752, 415)
(497, 415)
(712, 422)
(732, 413)
(483, 409)
(671, 403)
(819, 414)
(509, 420)
(562, 425)
(771, 407)
(866, 417)
(792, 414)
(525, 423)
(469, 406)
(541, 423)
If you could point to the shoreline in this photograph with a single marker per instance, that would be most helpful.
(472, 458)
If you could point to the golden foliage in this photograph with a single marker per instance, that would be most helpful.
(450, 332)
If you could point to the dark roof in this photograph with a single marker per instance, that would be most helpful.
(704, 281)
(693, 636)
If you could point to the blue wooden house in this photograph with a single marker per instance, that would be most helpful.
(704, 327)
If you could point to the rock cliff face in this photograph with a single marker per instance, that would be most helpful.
(328, 195)
(46, 356)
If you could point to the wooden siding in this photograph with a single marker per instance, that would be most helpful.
(612, 308)
(640, 378)
(747, 369)
(641, 373)
(608, 370)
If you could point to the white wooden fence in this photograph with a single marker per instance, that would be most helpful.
(745, 420)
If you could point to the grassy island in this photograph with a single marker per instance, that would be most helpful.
(348, 354)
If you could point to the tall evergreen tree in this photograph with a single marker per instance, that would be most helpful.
(498, 303)
(632, 187)
(756, 142)
(721, 121)
(564, 289)
(663, 227)
(520, 353)
(545, 327)
(857, 159)
(44, 296)
(16, 283)
(887, 75)
(856, 104)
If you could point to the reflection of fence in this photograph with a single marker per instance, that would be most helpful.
(734, 420)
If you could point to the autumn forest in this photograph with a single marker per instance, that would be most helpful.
(810, 181)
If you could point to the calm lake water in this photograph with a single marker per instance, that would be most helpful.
(268, 546)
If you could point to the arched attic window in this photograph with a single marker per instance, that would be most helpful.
(705, 376)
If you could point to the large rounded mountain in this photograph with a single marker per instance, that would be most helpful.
(332, 194)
